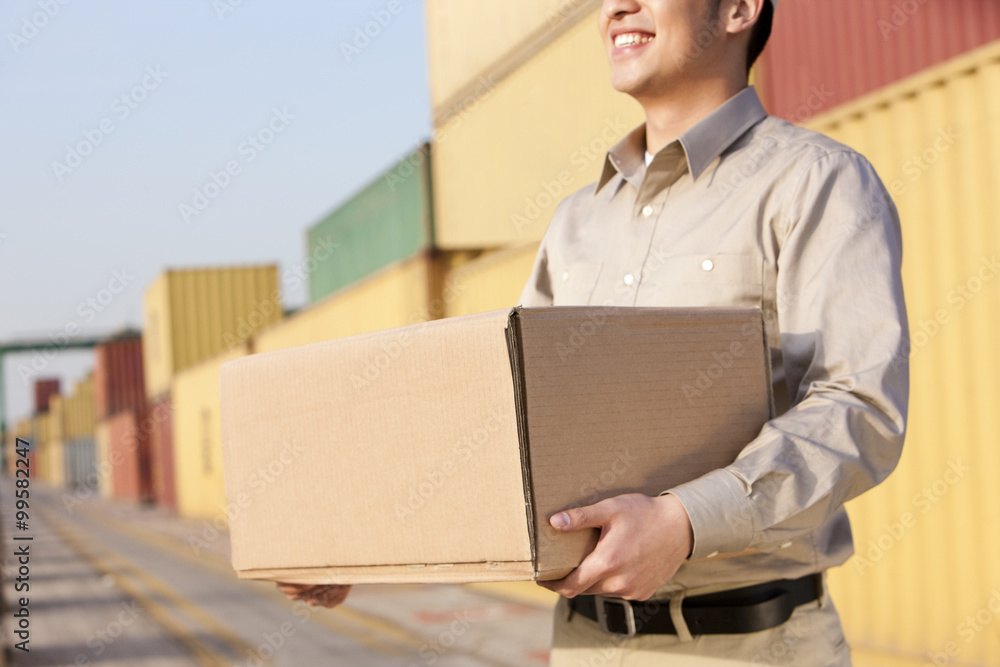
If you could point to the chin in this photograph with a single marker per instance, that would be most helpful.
(626, 84)
(632, 87)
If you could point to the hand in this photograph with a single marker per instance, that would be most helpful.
(643, 543)
(323, 595)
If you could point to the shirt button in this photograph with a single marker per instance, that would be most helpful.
(786, 545)
(708, 265)
(647, 211)
(629, 279)
(565, 276)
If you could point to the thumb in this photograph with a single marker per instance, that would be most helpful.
(590, 516)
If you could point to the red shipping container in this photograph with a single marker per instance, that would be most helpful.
(118, 377)
(162, 453)
(130, 465)
(44, 390)
(823, 54)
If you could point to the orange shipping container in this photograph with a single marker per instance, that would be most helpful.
(130, 461)
(118, 377)
(44, 390)
(161, 446)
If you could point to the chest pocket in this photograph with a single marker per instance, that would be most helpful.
(573, 284)
(717, 280)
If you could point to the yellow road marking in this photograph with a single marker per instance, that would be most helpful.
(340, 619)
(206, 655)
(522, 592)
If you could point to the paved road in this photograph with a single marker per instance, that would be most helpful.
(112, 584)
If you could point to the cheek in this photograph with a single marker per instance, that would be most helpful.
(603, 27)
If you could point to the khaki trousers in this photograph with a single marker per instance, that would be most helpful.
(812, 637)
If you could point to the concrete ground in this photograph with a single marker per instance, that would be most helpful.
(114, 584)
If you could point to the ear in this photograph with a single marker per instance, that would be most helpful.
(741, 15)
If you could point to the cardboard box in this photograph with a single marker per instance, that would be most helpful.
(436, 452)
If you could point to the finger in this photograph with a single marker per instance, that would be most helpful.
(588, 575)
(553, 585)
(335, 596)
(589, 516)
(293, 591)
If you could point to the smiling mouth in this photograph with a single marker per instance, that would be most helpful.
(632, 39)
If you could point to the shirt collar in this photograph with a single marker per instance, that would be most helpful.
(701, 144)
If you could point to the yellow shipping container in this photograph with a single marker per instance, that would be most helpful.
(193, 315)
(491, 281)
(22, 429)
(55, 463)
(80, 413)
(40, 425)
(397, 295)
(200, 485)
(501, 167)
(55, 449)
(925, 583)
(468, 40)
(102, 440)
(56, 418)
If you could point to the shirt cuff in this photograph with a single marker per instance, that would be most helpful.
(720, 513)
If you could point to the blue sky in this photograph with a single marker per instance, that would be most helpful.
(114, 113)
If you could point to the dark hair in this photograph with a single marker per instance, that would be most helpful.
(760, 33)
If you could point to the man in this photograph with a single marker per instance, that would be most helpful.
(713, 203)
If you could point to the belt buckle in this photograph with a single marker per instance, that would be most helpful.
(602, 615)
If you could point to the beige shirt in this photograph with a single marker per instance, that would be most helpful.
(748, 210)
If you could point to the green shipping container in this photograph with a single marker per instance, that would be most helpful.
(389, 220)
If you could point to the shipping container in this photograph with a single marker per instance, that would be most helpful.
(192, 315)
(129, 456)
(102, 445)
(541, 134)
(926, 539)
(397, 295)
(69, 417)
(44, 389)
(118, 378)
(22, 430)
(40, 431)
(161, 452)
(491, 281)
(55, 462)
(56, 416)
(79, 417)
(81, 466)
(823, 54)
(201, 489)
(469, 41)
(387, 221)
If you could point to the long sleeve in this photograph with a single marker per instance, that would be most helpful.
(844, 336)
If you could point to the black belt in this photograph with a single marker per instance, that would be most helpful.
(736, 611)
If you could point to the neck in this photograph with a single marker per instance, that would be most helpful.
(670, 115)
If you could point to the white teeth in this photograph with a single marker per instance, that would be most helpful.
(632, 38)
